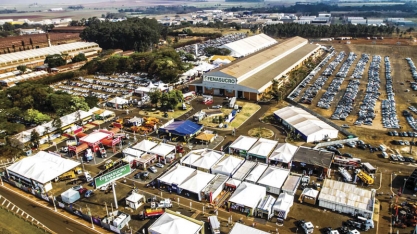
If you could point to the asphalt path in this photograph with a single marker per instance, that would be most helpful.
(49, 218)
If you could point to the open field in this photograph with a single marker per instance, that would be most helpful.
(12, 224)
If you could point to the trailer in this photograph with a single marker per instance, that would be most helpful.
(232, 102)
(347, 162)
(346, 175)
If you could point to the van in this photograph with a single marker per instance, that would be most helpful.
(384, 155)
(383, 148)
(214, 224)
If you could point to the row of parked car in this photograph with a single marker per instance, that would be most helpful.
(400, 158)
(311, 75)
(413, 109)
(334, 87)
(345, 105)
(402, 134)
(366, 112)
(403, 142)
(332, 66)
(413, 68)
(312, 91)
(389, 112)
(410, 119)
(360, 66)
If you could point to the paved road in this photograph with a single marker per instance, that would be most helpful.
(56, 223)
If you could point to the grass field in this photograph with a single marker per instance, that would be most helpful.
(14, 225)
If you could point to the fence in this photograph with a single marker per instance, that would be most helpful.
(9, 206)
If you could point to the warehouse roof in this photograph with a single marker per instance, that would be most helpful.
(58, 49)
(249, 45)
(317, 157)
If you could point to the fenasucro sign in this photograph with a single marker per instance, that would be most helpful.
(112, 176)
(220, 79)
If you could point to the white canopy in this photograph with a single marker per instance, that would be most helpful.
(197, 181)
(177, 175)
(243, 142)
(190, 158)
(239, 228)
(135, 197)
(284, 202)
(42, 167)
(227, 166)
(248, 195)
(133, 152)
(263, 147)
(173, 224)
(94, 137)
(162, 149)
(274, 177)
(233, 182)
(145, 145)
(309, 192)
(118, 101)
(135, 120)
(256, 172)
(284, 152)
(203, 158)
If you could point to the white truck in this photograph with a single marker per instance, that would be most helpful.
(346, 175)
(165, 203)
(307, 227)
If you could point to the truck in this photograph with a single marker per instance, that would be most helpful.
(346, 175)
(307, 227)
(88, 155)
(232, 102)
(347, 162)
(367, 179)
(102, 151)
(165, 203)
(69, 175)
(108, 164)
(360, 223)
(151, 213)
(199, 116)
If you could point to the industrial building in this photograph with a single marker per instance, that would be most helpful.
(309, 127)
(249, 45)
(251, 77)
(36, 57)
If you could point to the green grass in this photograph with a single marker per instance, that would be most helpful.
(12, 224)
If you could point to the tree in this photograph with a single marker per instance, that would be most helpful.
(47, 131)
(91, 101)
(78, 103)
(55, 60)
(155, 96)
(79, 58)
(35, 138)
(8, 26)
(165, 99)
(21, 68)
(57, 123)
(35, 116)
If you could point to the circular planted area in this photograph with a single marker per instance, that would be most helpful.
(261, 132)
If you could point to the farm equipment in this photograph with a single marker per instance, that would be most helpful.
(367, 179)
(69, 175)
(360, 223)
(108, 164)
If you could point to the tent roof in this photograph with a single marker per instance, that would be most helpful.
(239, 228)
(228, 165)
(284, 202)
(256, 173)
(145, 145)
(133, 152)
(205, 136)
(208, 159)
(284, 152)
(162, 149)
(243, 142)
(249, 45)
(310, 192)
(244, 170)
(263, 147)
(42, 167)
(274, 177)
(69, 193)
(118, 100)
(197, 181)
(173, 224)
(134, 197)
(248, 195)
(267, 202)
(233, 182)
(176, 175)
(182, 128)
(94, 137)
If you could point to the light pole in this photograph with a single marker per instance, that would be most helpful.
(91, 217)
(405, 180)
(53, 201)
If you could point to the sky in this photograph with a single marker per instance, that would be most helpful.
(51, 2)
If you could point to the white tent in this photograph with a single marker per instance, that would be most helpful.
(262, 148)
(174, 224)
(42, 167)
(233, 183)
(273, 179)
(133, 152)
(202, 159)
(247, 195)
(142, 90)
(265, 207)
(176, 175)
(309, 195)
(135, 200)
(118, 101)
(249, 45)
(284, 152)
(70, 196)
(190, 158)
(244, 170)
(196, 182)
(282, 205)
(162, 149)
(227, 166)
(243, 143)
(239, 228)
(145, 145)
(94, 137)
(256, 173)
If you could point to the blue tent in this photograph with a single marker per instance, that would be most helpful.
(182, 128)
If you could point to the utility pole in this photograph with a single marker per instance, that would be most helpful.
(411, 145)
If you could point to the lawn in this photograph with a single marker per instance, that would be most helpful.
(248, 109)
(12, 224)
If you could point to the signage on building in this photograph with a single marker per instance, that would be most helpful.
(220, 79)
(112, 176)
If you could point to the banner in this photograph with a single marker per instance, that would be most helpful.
(112, 176)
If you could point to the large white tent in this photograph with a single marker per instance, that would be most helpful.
(242, 144)
(174, 223)
(244, 170)
(246, 197)
(347, 198)
(133, 152)
(284, 152)
(256, 173)
(118, 101)
(307, 125)
(176, 175)
(228, 166)
(162, 149)
(249, 45)
(41, 168)
(196, 182)
(273, 179)
(265, 207)
(262, 148)
(145, 146)
(239, 228)
(202, 159)
(282, 205)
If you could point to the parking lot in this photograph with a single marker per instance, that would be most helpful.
(211, 43)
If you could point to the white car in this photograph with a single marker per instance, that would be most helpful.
(153, 169)
(104, 188)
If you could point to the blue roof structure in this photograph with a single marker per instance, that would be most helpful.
(182, 128)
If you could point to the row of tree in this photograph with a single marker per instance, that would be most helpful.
(166, 64)
(168, 100)
(131, 34)
(334, 30)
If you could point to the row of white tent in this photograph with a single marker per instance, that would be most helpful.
(17, 79)
(148, 147)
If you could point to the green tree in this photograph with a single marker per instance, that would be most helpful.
(154, 96)
(55, 60)
(165, 99)
(57, 124)
(92, 101)
(79, 58)
(35, 138)
(21, 68)
(12, 128)
(47, 132)
(8, 26)
(35, 116)
(78, 103)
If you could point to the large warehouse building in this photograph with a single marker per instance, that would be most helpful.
(252, 76)
(308, 126)
(249, 45)
(36, 57)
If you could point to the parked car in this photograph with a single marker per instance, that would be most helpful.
(160, 165)
(89, 193)
(217, 107)
(77, 187)
(137, 175)
(82, 190)
(153, 169)
(347, 155)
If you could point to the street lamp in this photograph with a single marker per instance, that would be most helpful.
(405, 180)
(53, 201)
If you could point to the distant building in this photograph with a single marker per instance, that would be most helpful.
(56, 9)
